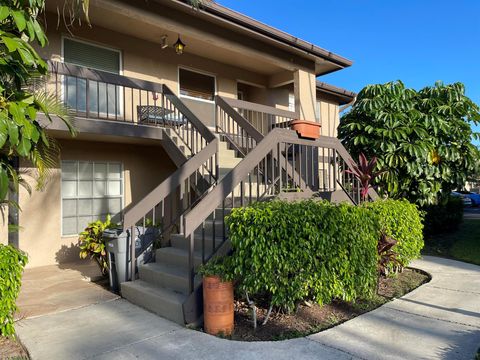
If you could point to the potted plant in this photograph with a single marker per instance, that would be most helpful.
(218, 309)
(306, 129)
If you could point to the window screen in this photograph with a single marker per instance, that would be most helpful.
(91, 56)
(197, 85)
(90, 191)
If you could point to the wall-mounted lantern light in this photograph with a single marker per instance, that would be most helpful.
(179, 46)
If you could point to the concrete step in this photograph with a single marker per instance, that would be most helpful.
(161, 301)
(179, 241)
(165, 276)
(177, 256)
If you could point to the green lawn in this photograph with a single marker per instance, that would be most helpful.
(463, 245)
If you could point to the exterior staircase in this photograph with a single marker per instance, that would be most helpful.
(217, 172)
(163, 285)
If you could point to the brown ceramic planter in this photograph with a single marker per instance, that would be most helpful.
(217, 306)
(306, 129)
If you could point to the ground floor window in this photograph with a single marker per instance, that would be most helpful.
(90, 191)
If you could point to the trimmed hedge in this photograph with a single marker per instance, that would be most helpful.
(444, 217)
(12, 262)
(402, 221)
(289, 252)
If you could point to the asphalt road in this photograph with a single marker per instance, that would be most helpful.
(472, 213)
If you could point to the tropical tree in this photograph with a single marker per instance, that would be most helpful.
(21, 98)
(423, 139)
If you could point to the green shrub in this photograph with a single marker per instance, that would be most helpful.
(289, 252)
(12, 262)
(444, 217)
(402, 221)
(92, 244)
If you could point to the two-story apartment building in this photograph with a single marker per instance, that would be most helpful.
(176, 137)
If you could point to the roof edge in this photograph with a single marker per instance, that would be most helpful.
(271, 32)
(345, 96)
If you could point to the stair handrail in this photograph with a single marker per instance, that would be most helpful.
(227, 105)
(135, 213)
(249, 129)
(270, 143)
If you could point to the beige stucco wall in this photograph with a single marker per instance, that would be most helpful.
(329, 117)
(144, 167)
(145, 60)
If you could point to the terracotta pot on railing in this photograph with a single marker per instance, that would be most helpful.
(217, 306)
(306, 129)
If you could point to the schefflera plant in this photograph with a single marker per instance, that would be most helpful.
(290, 252)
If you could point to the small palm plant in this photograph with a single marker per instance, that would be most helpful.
(365, 172)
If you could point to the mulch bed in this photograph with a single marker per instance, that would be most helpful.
(312, 318)
(12, 349)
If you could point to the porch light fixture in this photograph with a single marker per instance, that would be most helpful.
(164, 41)
(179, 46)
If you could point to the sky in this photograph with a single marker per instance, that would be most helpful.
(416, 41)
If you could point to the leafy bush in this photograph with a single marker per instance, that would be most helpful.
(423, 139)
(444, 217)
(12, 262)
(402, 221)
(289, 252)
(92, 243)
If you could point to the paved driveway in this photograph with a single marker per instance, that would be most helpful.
(440, 320)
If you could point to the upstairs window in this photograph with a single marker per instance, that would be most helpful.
(92, 98)
(196, 85)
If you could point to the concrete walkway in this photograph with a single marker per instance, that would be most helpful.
(55, 288)
(440, 320)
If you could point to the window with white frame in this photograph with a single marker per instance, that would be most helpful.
(90, 191)
(196, 85)
(92, 96)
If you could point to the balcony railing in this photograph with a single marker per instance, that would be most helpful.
(95, 94)
(264, 118)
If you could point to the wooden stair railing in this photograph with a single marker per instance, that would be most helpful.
(330, 153)
(243, 136)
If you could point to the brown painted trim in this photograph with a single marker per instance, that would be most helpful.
(197, 215)
(103, 127)
(343, 96)
(231, 17)
(225, 104)
(144, 206)
(246, 105)
(60, 68)
(178, 156)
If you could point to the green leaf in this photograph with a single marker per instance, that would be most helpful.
(3, 183)
(24, 146)
(4, 12)
(20, 20)
(39, 32)
(12, 133)
(11, 44)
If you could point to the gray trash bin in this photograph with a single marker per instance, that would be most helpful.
(118, 248)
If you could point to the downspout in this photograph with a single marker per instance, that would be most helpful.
(346, 106)
(13, 228)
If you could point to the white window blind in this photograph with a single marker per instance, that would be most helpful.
(90, 191)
